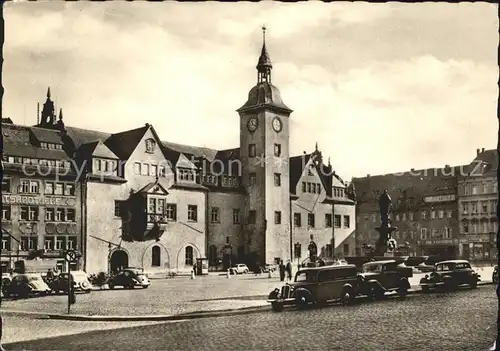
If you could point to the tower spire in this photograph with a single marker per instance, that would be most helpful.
(48, 93)
(264, 65)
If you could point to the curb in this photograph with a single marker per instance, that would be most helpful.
(145, 318)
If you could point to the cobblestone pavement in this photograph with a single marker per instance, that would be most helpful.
(163, 297)
(168, 297)
(462, 320)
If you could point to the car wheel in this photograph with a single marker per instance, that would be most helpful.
(145, 286)
(473, 285)
(88, 291)
(277, 306)
(347, 297)
(111, 286)
(425, 289)
(302, 299)
(448, 284)
(376, 293)
(402, 291)
(245, 271)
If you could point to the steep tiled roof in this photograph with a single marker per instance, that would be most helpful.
(16, 142)
(124, 143)
(490, 158)
(81, 136)
(195, 151)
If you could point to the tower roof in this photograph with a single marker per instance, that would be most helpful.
(264, 64)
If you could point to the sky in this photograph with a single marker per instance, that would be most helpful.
(380, 87)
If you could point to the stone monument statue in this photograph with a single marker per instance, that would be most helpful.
(385, 230)
(385, 204)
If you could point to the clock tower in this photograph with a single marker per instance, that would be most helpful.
(264, 153)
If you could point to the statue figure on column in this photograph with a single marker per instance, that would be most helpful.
(385, 204)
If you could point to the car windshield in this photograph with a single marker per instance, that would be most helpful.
(372, 268)
(444, 267)
(462, 265)
(307, 276)
(34, 278)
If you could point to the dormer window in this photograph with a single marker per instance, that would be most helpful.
(186, 175)
(150, 145)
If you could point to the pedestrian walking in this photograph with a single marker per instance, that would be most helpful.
(289, 270)
(282, 271)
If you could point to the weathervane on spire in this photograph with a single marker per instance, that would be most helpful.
(264, 33)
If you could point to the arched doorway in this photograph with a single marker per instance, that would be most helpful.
(118, 261)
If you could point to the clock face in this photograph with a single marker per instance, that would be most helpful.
(252, 124)
(277, 124)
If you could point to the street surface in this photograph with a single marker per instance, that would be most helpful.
(462, 320)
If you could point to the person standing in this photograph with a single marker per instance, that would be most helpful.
(282, 271)
(289, 270)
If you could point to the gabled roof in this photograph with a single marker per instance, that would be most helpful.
(95, 148)
(195, 151)
(152, 185)
(81, 136)
(123, 144)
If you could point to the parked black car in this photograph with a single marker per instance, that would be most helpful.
(129, 278)
(379, 277)
(448, 275)
(494, 277)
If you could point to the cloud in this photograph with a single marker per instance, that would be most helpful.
(380, 88)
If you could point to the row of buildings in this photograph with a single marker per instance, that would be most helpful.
(131, 199)
(446, 211)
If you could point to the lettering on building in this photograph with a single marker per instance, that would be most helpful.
(37, 200)
(440, 198)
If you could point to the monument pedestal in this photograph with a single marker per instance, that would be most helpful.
(381, 245)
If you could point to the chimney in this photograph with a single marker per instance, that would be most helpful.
(477, 152)
(367, 176)
(305, 153)
(482, 150)
(447, 166)
(413, 169)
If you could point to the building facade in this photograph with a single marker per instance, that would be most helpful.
(41, 197)
(478, 197)
(424, 209)
(159, 206)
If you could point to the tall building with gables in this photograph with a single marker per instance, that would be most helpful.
(144, 202)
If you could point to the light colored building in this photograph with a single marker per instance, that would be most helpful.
(478, 195)
(157, 205)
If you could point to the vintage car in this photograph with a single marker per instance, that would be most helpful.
(317, 285)
(494, 276)
(448, 275)
(24, 285)
(379, 277)
(79, 279)
(240, 268)
(129, 278)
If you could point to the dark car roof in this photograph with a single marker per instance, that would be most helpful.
(453, 261)
(325, 268)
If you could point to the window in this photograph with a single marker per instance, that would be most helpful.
(346, 249)
(118, 208)
(410, 215)
(297, 219)
(440, 214)
(156, 209)
(494, 226)
(485, 188)
(61, 243)
(423, 215)
(34, 186)
(277, 150)
(49, 243)
(337, 221)
(304, 189)
(328, 220)
(155, 256)
(29, 243)
(29, 213)
(423, 234)
(154, 170)
(150, 145)
(171, 212)
(215, 215)
(5, 242)
(277, 179)
(374, 218)
(485, 207)
(49, 188)
(465, 226)
(252, 217)
(70, 215)
(59, 215)
(24, 187)
(474, 190)
(161, 171)
(72, 244)
(212, 255)
(252, 179)
(69, 189)
(404, 216)
(494, 187)
(309, 187)
(310, 220)
(58, 189)
(474, 207)
(252, 150)
(6, 183)
(449, 213)
(433, 214)
(192, 213)
(466, 189)
(277, 217)
(6, 213)
(137, 168)
(397, 217)
(49, 214)
(236, 216)
(347, 222)
(188, 256)
(485, 227)
(145, 169)
(465, 207)
(493, 207)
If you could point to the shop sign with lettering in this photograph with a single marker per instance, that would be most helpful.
(37, 200)
(476, 239)
(440, 198)
(436, 242)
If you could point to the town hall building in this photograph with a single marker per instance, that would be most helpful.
(147, 203)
